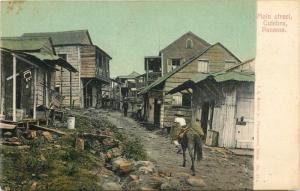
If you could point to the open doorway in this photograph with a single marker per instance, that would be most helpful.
(204, 116)
(157, 106)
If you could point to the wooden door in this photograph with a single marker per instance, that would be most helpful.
(245, 120)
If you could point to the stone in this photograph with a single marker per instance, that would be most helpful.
(109, 154)
(122, 165)
(111, 186)
(30, 134)
(33, 186)
(48, 136)
(195, 181)
(116, 152)
(145, 169)
(79, 145)
(134, 177)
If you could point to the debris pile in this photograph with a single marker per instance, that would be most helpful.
(93, 156)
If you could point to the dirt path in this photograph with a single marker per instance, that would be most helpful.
(219, 168)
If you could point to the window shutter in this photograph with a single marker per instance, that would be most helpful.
(203, 66)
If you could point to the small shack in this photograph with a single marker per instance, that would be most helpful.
(224, 103)
(27, 76)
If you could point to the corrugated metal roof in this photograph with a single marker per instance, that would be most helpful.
(64, 37)
(245, 76)
(22, 44)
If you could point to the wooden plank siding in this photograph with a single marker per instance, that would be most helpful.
(88, 61)
(216, 55)
(73, 59)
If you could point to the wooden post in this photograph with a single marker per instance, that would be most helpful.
(46, 89)
(71, 89)
(14, 88)
(61, 80)
(34, 93)
(1, 86)
(147, 71)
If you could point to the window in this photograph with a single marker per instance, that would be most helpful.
(203, 66)
(186, 100)
(189, 43)
(175, 63)
(63, 56)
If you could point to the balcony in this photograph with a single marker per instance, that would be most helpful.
(152, 76)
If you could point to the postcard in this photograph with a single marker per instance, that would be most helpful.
(149, 95)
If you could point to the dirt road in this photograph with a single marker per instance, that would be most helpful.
(219, 169)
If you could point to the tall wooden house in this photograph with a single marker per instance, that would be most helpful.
(27, 76)
(224, 102)
(92, 64)
(159, 107)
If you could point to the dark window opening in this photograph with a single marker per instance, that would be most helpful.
(175, 63)
(186, 100)
(63, 56)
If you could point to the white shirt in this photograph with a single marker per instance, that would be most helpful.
(180, 120)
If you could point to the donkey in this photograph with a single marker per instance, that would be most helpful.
(191, 140)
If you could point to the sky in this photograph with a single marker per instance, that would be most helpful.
(129, 31)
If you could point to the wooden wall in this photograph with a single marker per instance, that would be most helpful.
(216, 55)
(88, 61)
(226, 110)
(179, 50)
(73, 57)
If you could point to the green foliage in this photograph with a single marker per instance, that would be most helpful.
(134, 149)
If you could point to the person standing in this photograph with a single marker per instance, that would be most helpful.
(180, 123)
(125, 107)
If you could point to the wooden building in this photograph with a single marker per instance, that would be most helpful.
(27, 74)
(224, 102)
(92, 64)
(159, 107)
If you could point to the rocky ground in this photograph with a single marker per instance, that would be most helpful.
(107, 151)
(219, 169)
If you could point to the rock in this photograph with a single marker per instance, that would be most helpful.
(122, 165)
(111, 186)
(145, 169)
(195, 181)
(48, 136)
(30, 134)
(148, 166)
(109, 154)
(33, 186)
(134, 177)
(116, 152)
(79, 145)
(182, 174)
(170, 184)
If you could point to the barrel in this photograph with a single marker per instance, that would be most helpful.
(71, 122)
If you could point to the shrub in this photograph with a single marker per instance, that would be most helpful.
(134, 149)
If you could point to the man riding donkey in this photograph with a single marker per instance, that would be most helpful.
(189, 136)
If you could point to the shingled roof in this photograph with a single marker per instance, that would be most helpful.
(64, 37)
